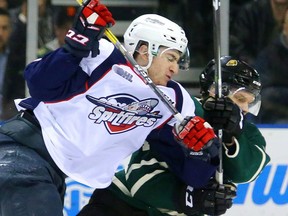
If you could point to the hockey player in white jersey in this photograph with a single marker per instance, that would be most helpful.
(89, 110)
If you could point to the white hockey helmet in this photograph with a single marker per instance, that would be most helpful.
(157, 31)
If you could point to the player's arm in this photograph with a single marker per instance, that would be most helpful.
(90, 23)
(190, 148)
(244, 146)
(61, 70)
(149, 180)
(165, 192)
(194, 168)
(247, 155)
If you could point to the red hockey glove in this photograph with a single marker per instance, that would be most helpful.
(89, 26)
(194, 133)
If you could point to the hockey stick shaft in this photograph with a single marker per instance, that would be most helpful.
(113, 39)
(218, 76)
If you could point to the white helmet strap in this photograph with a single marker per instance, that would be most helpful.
(150, 59)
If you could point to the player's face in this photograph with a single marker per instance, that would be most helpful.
(242, 99)
(4, 4)
(280, 2)
(5, 30)
(164, 66)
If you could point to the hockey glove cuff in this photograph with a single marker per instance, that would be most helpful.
(194, 133)
(213, 199)
(89, 26)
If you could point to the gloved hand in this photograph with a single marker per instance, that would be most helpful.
(89, 25)
(194, 133)
(213, 199)
(209, 153)
(223, 113)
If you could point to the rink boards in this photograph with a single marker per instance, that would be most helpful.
(267, 196)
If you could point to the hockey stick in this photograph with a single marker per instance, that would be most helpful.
(113, 39)
(218, 77)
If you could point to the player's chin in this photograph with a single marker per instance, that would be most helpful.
(164, 83)
(168, 78)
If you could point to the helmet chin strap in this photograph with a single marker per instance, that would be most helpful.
(150, 59)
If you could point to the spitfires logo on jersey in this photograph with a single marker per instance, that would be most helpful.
(120, 113)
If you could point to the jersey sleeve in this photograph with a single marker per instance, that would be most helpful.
(144, 183)
(183, 101)
(60, 75)
(193, 172)
(198, 107)
(48, 77)
(121, 189)
(250, 157)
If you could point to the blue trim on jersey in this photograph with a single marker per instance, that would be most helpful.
(116, 57)
(29, 103)
(179, 95)
(58, 77)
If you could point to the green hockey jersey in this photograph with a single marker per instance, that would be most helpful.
(149, 184)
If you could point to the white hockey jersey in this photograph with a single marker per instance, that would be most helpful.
(94, 112)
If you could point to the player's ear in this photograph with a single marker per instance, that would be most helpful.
(143, 51)
(142, 56)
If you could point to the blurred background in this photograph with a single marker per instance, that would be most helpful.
(254, 30)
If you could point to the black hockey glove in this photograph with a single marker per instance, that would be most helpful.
(89, 25)
(223, 113)
(213, 199)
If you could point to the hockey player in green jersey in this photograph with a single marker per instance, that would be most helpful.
(155, 184)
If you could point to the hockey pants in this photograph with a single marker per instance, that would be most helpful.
(104, 203)
(30, 182)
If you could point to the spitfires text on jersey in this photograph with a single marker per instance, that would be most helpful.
(121, 113)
